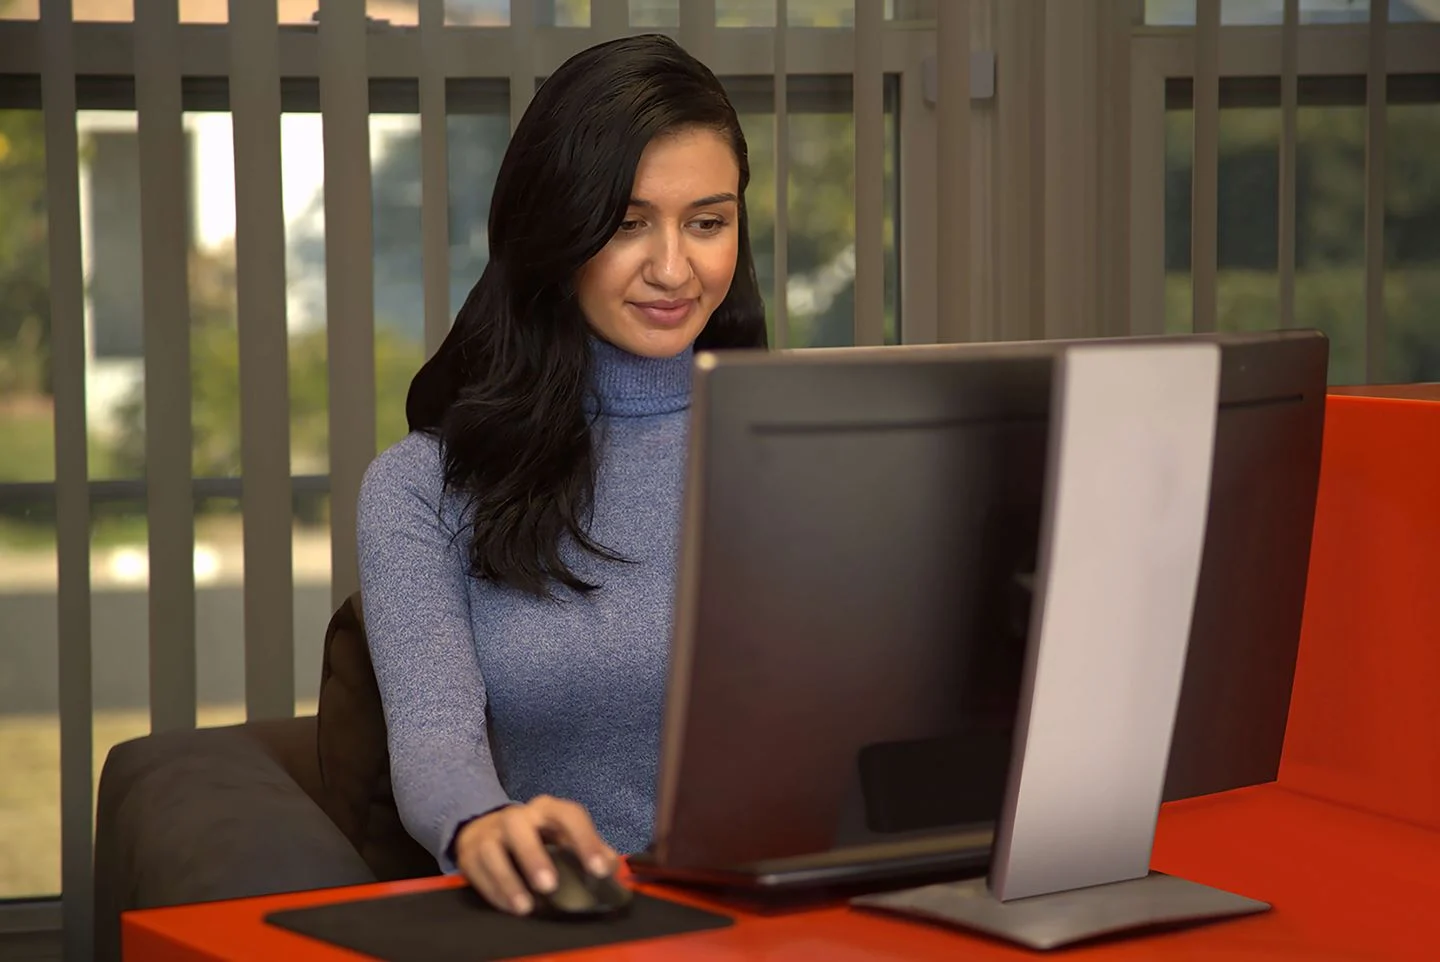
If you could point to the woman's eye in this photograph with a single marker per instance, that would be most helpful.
(709, 225)
(629, 226)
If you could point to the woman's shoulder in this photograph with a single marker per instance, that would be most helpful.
(409, 468)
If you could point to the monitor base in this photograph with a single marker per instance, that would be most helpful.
(1063, 918)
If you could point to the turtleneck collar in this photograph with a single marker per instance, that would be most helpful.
(628, 385)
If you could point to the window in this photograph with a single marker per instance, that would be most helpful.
(821, 243)
(1330, 217)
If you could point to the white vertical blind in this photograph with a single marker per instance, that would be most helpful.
(1375, 126)
(434, 174)
(72, 495)
(349, 275)
(1205, 193)
(264, 374)
(869, 109)
(164, 248)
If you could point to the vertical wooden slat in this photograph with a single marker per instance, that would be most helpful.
(609, 19)
(349, 275)
(434, 174)
(1375, 126)
(697, 29)
(1289, 110)
(1071, 170)
(1113, 174)
(264, 373)
(1147, 194)
(1205, 189)
(164, 244)
(779, 306)
(72, 494)
(869, 110)
(952, 187)
(522, 58)
(1020, 132)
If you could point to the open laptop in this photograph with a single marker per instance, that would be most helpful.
(860, 530)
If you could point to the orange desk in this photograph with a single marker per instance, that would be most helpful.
(1346, 885)
(1346, 845)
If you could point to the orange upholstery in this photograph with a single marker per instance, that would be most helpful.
(1364, 726)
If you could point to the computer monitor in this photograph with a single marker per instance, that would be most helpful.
(860, 527)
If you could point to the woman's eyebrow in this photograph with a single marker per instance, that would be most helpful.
(702, 202)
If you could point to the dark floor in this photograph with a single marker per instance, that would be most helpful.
(30, 947)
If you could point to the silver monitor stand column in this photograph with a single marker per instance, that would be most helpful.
(1132, 443)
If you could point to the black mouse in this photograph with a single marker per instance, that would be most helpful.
(577, 893)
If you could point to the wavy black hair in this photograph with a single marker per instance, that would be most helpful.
(505, 393)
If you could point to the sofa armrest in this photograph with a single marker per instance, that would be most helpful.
(203, 815)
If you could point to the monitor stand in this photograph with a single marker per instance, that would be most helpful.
(1123, 527)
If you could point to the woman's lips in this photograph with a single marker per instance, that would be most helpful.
(664, 313)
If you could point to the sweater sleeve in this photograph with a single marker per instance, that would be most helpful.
(413, 582)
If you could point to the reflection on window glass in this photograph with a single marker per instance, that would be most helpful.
(397, 13)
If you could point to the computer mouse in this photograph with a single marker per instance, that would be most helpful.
(579, 894)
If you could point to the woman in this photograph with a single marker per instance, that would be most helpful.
(518, 547)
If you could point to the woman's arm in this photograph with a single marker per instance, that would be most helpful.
(413, 583)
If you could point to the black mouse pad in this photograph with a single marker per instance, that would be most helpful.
(456, 925)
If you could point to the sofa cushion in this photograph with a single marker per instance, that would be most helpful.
(353, 754)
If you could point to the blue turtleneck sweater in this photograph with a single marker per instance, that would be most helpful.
(493, 696)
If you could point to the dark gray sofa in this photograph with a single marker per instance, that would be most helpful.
(255, 809)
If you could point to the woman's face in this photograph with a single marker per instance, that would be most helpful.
(652, 288)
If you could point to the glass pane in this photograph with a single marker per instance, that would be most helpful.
(479, 13)
(1329, 231)
(1181, 13)
(29, 700)
(477, 143)
(821, 241)
(219, 612)
(298, 11)
(302, 162)
(1412, 244)
(204, 11)
(654, 13)
(121, 11)
(399, 274)
(745, 13)
(397, 13)
(120, 625)
(114, 306)
(27, 413)
(19, 9)
(311, 552)
(563, 13)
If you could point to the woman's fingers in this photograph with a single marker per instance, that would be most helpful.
(571, 825)
(509, 892)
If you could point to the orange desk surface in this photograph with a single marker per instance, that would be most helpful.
(1346, 885)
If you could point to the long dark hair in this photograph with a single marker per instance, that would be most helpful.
(506, 391)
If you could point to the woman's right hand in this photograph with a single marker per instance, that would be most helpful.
(489, 849)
